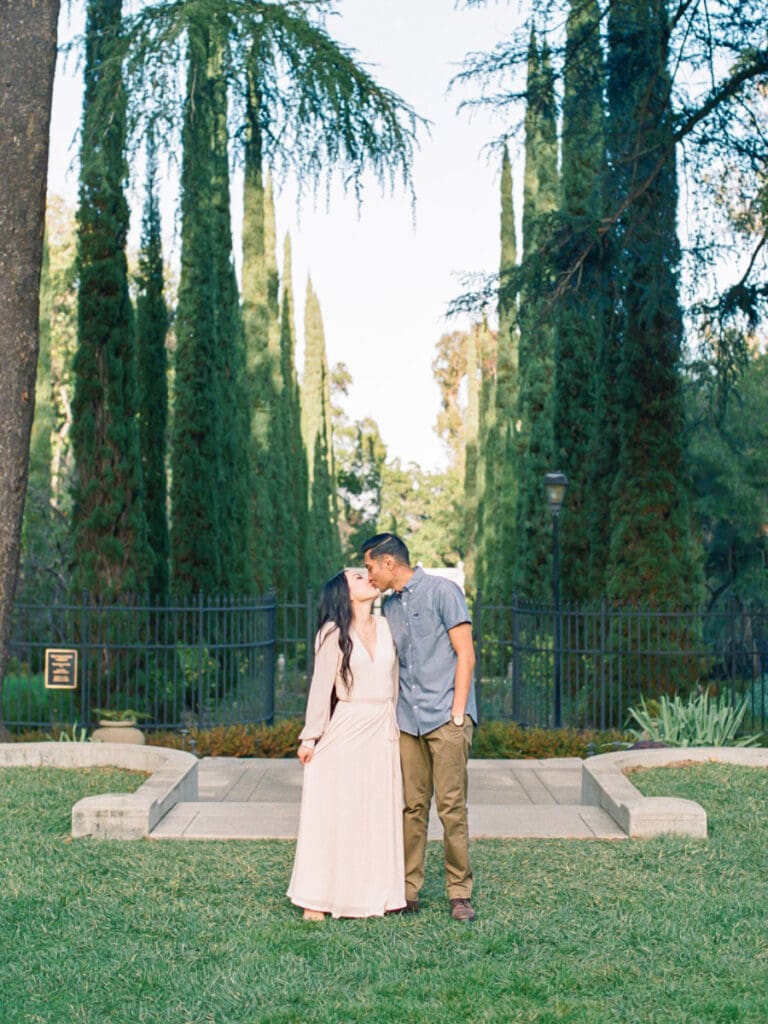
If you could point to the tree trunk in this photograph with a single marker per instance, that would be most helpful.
(27, 66)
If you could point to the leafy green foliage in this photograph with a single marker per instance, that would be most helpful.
(728, 452)
(359, 457)
(320, 111)
(510, 740)
(701, 721)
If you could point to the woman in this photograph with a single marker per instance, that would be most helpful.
(349, 853)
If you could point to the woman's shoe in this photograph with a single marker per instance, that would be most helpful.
(314, 915)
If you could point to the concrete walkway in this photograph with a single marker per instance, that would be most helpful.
(259, 799)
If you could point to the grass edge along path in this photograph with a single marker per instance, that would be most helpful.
(662, 931)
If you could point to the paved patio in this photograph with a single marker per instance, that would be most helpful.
(259, 799)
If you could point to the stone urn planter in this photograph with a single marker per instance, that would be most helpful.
(122, 730)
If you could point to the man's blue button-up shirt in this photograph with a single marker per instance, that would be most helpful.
(419, 617)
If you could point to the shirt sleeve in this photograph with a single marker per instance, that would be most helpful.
(452, 606)
(327, 656)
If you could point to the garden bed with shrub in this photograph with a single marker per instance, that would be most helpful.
(492, 740)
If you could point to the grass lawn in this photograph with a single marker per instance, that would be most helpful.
(655, 932)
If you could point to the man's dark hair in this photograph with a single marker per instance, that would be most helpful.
(387, 544)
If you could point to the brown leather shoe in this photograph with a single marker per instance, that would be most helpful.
(411, 907)
(462, 910)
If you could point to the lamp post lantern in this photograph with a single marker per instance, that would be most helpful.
(556, 484)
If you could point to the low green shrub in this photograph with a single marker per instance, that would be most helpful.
(492, 740)
(510, 740)
(25, 699)
(278, 740)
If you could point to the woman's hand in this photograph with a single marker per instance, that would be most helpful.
(305, 754)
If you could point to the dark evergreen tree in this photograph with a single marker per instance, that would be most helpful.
(651, 559)
(471, 495)
(584, 441)
(535, 443)
(259, 322)
(323, 532)
(289, 461)
(195, 455)
(108, 514)
(210, 467)
(151, 329)
(498, 508)
(234, 403)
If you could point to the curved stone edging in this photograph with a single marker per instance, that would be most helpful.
(173, 778)
(604, 784)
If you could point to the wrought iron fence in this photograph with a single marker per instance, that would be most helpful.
(215, 661)
(610, 657)
(204, 662)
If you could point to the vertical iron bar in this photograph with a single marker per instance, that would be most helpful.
(478, 631)
(310, 638)
(557, 695)
(517, 682)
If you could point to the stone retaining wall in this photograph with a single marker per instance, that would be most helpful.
(605, 784)
(172, 779)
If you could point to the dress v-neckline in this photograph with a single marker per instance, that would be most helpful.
(375, 641)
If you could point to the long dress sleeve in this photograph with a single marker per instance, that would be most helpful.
(327, 660)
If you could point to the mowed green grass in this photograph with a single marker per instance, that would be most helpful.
(654, 932)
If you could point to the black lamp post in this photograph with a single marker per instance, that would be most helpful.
(556, 485)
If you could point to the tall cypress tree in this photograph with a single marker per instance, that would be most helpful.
(289, 462)
(471, 439)
(323, 532)
(535, 443)
(108, 513)
(233, 400)
(497, 508)
(651, 560)
(151, 328)
(583, 311)
(195, 455)
(210, 474)
(259, 320)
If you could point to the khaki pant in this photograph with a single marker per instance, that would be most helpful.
(437, 762)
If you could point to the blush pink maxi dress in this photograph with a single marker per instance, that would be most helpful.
(349, 851)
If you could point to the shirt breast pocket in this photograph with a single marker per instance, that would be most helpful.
(425, 623)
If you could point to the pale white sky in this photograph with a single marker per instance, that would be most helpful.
(383, 282)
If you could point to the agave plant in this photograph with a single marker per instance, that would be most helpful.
(77, 734)
(701, 721)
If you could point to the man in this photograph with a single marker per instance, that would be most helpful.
(436, 712)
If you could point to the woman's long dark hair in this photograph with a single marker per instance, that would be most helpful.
(336, 607)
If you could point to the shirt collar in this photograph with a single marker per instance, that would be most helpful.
(413, 582)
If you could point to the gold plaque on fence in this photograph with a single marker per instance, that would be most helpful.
(60, 669)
